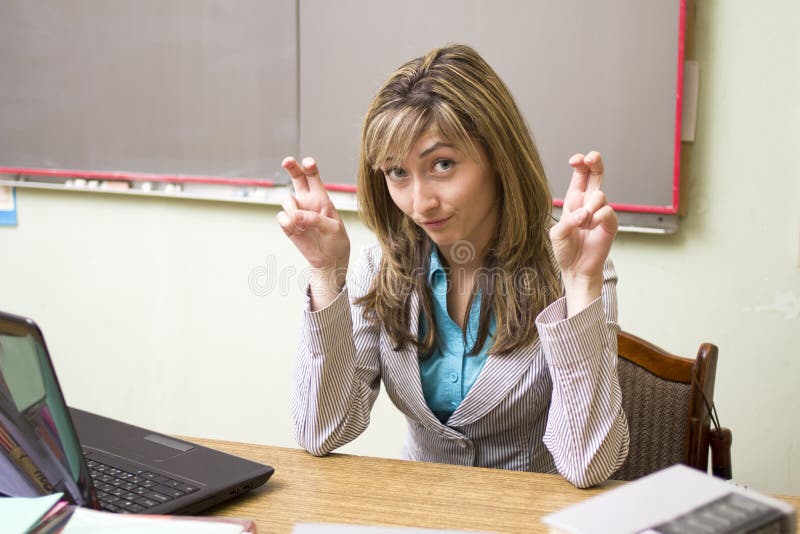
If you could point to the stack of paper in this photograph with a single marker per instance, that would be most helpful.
(676, 500)
(43, 515)
(86, 521)
(336, 528)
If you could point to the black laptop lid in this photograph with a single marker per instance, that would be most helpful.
(40, 449)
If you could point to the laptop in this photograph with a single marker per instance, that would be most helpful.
(95, 461)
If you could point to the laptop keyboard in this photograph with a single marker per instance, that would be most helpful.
(134, 491)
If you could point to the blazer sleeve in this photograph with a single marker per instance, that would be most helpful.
(337, 373)
(587, 432)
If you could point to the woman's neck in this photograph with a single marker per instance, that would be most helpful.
(465, 257)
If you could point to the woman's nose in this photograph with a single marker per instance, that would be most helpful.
(424, 196)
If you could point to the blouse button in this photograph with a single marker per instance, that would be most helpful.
(453, 377)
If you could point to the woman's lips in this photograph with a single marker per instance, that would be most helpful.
(435, 223)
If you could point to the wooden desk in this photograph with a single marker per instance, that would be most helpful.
(375, 491)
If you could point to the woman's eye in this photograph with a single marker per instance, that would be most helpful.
(443, 165)
(395, 173)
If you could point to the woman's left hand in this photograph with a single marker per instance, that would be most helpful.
(582, 238)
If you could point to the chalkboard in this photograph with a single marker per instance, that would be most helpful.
(587, 74)
(199, 87)
(228, 88)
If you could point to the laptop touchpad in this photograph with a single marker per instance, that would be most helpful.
(169, 442)
(153, 448)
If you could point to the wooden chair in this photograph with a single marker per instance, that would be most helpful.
(668, 401)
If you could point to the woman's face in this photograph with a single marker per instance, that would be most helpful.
(447, 194)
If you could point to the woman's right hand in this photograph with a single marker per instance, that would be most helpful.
(311, 221)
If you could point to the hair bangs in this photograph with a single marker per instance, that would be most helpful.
(455, 128)
(391, 135)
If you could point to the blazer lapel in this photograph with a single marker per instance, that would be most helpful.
(404, 368)
(499, 375)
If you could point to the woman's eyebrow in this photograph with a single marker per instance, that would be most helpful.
(436, 145)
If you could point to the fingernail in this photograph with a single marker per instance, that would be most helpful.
(308, 162)
(579, 214)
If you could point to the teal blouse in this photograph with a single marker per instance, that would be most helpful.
(448, 374)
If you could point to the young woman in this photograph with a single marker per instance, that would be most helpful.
(492, 329)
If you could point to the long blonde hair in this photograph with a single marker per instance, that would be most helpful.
(453, 92)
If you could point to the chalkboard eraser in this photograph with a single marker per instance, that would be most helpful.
(115, 185)
(173, 188)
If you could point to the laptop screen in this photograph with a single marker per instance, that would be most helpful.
(40, 449)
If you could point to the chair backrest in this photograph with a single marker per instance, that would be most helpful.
(668, 419)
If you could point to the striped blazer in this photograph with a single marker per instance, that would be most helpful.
(553, 406)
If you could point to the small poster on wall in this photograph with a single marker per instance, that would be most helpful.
(8, 206)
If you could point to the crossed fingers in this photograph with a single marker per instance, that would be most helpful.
(310, 206)
(305, 177)
(587, 177)
(585, 204)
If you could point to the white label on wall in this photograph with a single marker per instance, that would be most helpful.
(6, 198)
